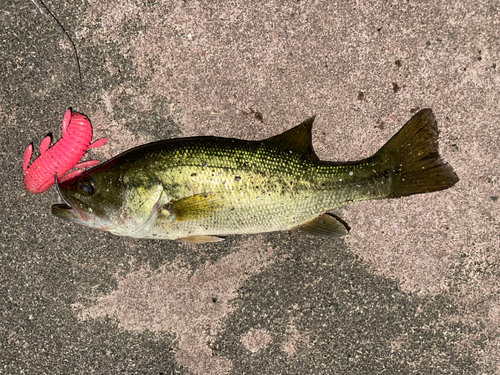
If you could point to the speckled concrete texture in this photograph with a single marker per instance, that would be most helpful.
(414, 287)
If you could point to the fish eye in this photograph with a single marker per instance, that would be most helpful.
(86, 186)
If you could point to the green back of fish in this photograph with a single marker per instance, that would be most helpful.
(217, 186)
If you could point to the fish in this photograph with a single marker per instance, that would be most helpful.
(203, 189)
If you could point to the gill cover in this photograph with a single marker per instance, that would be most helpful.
(143, 199)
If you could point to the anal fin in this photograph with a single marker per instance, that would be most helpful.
(325, 225)
(199, 239)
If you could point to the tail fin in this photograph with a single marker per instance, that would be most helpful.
(413, 157)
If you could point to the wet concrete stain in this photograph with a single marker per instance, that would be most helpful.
(290, 311)
(345, 320)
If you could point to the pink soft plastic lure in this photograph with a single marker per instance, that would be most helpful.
(61, 157)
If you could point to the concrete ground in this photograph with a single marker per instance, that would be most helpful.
(413, 289)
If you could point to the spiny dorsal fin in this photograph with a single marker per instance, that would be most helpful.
(297, 139)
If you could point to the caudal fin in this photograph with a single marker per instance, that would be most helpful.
(413, 156)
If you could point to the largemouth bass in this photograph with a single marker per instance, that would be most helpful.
(200, 189)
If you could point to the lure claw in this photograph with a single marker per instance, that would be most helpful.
(62, 156)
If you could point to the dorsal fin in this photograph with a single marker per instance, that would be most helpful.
(297, 139)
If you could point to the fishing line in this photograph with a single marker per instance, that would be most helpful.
(69, 38)
(79, 73)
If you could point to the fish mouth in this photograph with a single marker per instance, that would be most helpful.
(69, 213)
(63, 211)
(68, 210)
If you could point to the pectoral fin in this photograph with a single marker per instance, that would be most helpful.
(325, 225)
(195, 207)
(201, 239)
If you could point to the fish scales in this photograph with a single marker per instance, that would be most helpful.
(257, 192)
(199, 189)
